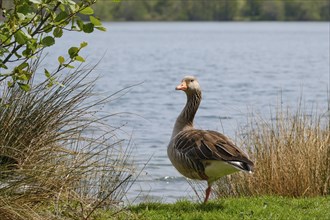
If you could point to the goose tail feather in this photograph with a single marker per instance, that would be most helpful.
(242, 166)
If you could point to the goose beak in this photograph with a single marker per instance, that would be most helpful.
(182, 86)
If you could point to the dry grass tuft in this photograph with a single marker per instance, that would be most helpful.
(291, 154)
(58, 158)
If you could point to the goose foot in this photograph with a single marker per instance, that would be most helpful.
(207, 193)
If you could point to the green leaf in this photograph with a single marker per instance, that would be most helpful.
(101, 28)
(36, 1)
(83, 44)
(58, 32)
(48, 28)
(87, 11)
(18, 55)
(47, 73)
(4, 38)
(50, 83)
(68, 66)
(48, 41)
(10, 84)
(73, 51)
(27, 52)
(61, 16)
(20, 16)
(79, 58)
(95, 21)
(61, 60)
(24, 86)
(3, 65)
(62, 7)
(20, 37)
(88, 28)
(33, 45)
(22, 66)
(74, 7)
(71, 2)
(24, 75)
(80, 23)
(24, 8)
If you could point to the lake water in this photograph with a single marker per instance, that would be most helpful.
(241, 67)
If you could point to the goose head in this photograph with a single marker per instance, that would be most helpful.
(189, 85)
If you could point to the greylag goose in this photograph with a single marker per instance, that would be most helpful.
(202, 154)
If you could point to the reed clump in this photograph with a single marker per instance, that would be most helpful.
(58, 157)
(291, 154)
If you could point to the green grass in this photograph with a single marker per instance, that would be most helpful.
(264, 207)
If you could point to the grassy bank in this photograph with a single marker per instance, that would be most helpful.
(263, 207)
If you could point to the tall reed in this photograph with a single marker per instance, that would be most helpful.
(59, 158)
(291, 152)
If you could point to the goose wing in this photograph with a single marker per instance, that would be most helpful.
(205, 145)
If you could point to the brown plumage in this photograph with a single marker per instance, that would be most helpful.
(202, 154)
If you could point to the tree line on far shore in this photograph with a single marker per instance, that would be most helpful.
(213, 10)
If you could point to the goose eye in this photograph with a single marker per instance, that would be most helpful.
(191, 80)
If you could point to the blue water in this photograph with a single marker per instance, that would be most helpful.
(242, 67)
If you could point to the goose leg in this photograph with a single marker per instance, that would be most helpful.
(207, 193)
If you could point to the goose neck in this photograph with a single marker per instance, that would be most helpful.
(186, 118)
